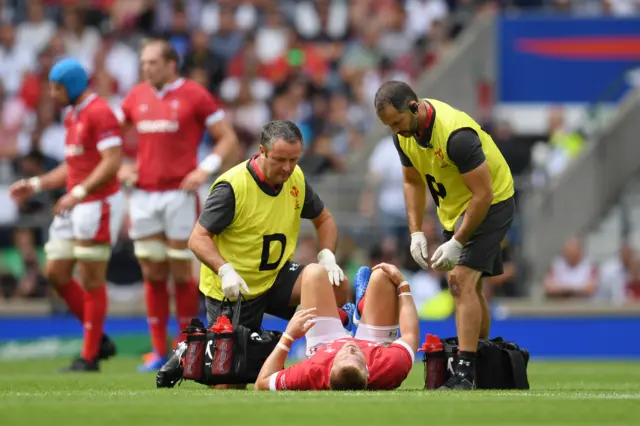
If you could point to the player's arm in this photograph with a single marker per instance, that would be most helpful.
(226, 143)
(109, 143)
(123, 113)
(465, 150)
(54, 179)
(220, 130)
(407, 312)
(322, 219)
(273, 364)
(408, 317)
(415, 190)
(106, 169)
(217, 215)
(327, 231)
(298, 326)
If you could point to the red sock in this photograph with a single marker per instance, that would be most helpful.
(343, 316)
(73, 295)
(95, 308)
(187, 304)
(361, 305)
(157, 300)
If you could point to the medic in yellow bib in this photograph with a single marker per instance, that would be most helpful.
(247, 233)
(445, 152)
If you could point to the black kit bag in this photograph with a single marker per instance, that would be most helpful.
(227, 352)
(500, 364)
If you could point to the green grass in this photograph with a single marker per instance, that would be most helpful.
(570, 393)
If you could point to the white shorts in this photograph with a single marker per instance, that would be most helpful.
(328, 329)
(99, 221)
(172, 213)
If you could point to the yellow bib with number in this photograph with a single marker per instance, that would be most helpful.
(440, 174)
(263, 234)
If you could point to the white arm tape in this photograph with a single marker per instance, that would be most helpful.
(79, 192)
(406, 293)
(288, 336)
(272, 382)
(211, 164)
(35, 183)
(109, 142)
(214, 118)
(282, 346)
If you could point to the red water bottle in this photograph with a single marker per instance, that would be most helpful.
(435, 365)
(194, 356)
(223, 353)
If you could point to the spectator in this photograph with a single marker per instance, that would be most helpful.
(616, 274)
(80, 41)
(571, 275)
(383, 197)
(34, 33)
(14, 60)
(201, 57)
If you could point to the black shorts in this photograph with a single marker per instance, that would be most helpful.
(483, 251)
(274, 302)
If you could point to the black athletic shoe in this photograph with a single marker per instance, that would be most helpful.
(107, 348)
(171, 372)
(81, 365)
(458, 382)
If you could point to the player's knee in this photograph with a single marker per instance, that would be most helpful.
(56, 276)
(459, 284)
(379, 276)
(315, 273)
(156, 272)
(181, 278)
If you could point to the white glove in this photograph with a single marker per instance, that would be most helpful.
(419, 250)
(447, 255)
(232, 283)
(327, 259)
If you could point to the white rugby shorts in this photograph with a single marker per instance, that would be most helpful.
(172, 213)
(99, 221)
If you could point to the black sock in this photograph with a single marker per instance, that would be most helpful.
(467, 364)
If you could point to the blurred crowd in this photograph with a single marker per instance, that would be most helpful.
(315, 62)
(318, 62)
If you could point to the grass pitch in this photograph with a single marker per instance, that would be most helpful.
(567, 393)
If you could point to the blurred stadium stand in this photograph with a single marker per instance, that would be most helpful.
(319, 63)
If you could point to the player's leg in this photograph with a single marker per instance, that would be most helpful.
(307, 286)
(60, 264)
(91, 224)
(485, 325)
(481, 255)
(290, 274)
(379, 317)
(151, 251)
(180, 212)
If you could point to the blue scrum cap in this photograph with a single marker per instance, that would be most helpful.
(71, 75)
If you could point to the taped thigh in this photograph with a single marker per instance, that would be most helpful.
(99, 252)
(59, 250)
(155, 250)
(378, 334)
(180, 254)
